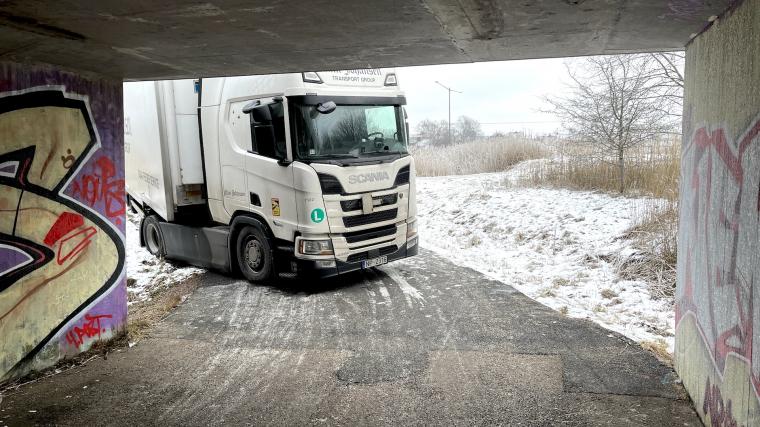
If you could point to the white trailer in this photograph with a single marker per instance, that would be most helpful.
(162, 145)
(304, 173)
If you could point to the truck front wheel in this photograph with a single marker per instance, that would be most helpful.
(254, 254)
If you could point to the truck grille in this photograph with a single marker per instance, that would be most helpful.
(357, 220)
(356, 204)
(361, 256)
(374, 233)
(351, 205)
(388, 199)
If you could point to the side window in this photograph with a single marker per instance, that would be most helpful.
(240, 127)
(268, 129)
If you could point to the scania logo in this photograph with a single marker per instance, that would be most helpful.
(368, 177)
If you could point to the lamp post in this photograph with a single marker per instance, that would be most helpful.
(449, 90)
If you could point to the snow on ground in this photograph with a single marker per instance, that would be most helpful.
(146, 273)
(556, 246)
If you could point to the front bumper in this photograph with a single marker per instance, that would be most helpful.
(309, 268)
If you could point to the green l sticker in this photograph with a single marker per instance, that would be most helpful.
(317, 215)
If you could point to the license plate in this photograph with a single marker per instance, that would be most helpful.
(374, 262)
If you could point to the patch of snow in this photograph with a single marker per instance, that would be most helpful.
(145, 272)
(556, 246)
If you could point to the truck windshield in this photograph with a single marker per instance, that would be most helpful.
(349, 132)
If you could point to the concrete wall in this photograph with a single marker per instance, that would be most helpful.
(62, 214)
(718, 296)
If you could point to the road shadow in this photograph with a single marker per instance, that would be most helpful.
(295, 285)
(310, 286)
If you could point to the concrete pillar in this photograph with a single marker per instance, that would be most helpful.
(62, 215)
(718, 297)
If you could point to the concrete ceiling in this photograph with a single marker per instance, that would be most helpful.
(145, 39)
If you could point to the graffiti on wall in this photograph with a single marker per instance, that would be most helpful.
(88, 329)
(720, 228)
(59, 254)
(104, 187)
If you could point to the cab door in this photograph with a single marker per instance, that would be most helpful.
(268, 171)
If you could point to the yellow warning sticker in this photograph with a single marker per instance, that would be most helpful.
(275, 207)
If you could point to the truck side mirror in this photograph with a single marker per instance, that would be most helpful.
(261, 114)
(326, 107)
(250, 106)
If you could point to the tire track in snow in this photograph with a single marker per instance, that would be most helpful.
(409, 291)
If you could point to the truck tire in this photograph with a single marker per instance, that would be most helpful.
(152, 236)
(254, 254)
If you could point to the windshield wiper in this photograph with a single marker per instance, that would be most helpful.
(333, 156)
(385, 153)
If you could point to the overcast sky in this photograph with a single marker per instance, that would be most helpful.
(507, 92)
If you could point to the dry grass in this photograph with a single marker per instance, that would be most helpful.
(660, 351)
(655, 237)
(547, 293)
(652, 170)
(489, 155)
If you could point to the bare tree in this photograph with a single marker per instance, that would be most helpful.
(435, 132)
(467, 129)
(615, 103)
(666, 80)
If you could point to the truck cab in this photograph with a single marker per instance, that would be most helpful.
(301, 173)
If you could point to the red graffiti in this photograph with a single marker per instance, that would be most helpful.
(720, 413)
(103, 186)
(81, 239)
(66, 222)
(90, 329)
(83, 242)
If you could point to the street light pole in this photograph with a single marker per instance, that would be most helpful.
(449, 90)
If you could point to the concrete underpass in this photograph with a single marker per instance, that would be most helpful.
(484, 353)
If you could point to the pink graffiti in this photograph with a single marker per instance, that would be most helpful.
(102, 186)
(720, 412)
(89, 329)
(717, 166)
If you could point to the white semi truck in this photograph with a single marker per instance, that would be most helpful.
(304, 173)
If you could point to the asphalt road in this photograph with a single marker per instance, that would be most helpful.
(418, 342)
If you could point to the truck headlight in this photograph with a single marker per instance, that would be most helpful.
(411, 229)
(315, 247)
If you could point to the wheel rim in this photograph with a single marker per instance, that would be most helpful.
(254, 255)
(152, 239)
